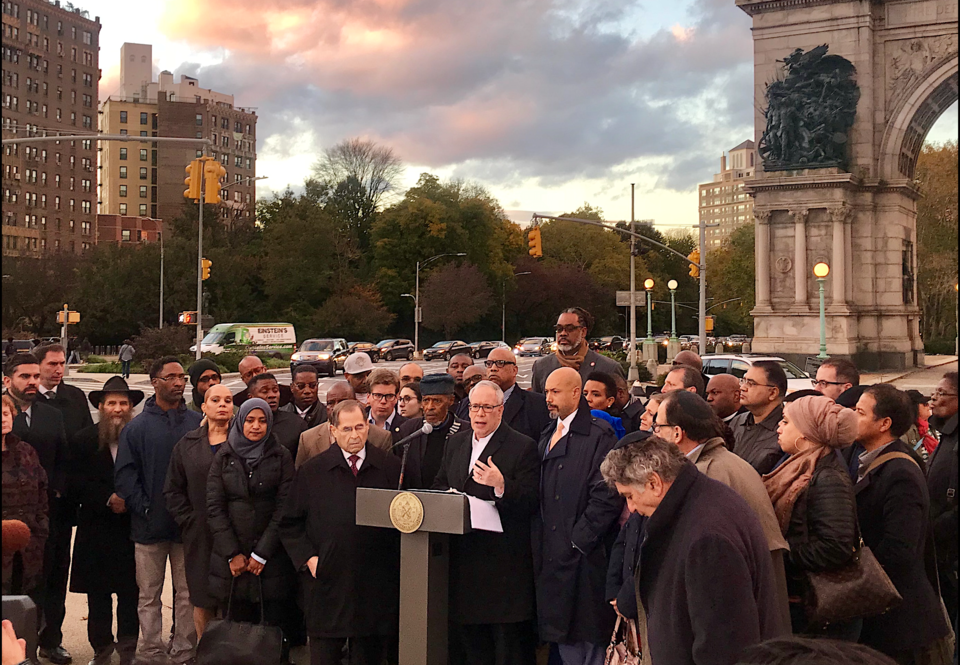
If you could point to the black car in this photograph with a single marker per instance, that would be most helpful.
(365, 347)
(482, 349)
(396, 349)
(446, 350)
(326, 354)
(610, 343)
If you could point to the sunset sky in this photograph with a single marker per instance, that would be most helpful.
(548, 103)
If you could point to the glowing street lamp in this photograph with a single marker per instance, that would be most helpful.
(648, 285)
(820, 271)
(672, 285)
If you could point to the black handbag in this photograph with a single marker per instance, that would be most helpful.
(228, 642)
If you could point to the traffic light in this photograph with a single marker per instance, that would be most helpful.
(695, 258)
(535, 242)
(188, 318)
(192, 181)
(206, 263)
(213, 172)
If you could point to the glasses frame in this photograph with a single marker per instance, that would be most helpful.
(173, 377)
(486, 408)
(490, 364)
(744, 381)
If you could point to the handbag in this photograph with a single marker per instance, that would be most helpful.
(228, 642)
(859, 589)
(624, 649)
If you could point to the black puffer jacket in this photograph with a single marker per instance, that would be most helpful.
(244, 507)
(823, 528)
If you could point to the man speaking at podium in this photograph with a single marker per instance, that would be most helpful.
(491, 574)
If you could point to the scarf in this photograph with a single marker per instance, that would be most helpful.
(576, 359)
(250, 451)
(788, 481)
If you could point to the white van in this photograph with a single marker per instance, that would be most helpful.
(253, 337)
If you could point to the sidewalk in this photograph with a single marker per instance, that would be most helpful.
(930, 362)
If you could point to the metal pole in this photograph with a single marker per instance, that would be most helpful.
(503, 322)
(634, 374)
(649, 316)
(703, 287)
(161, 279)
(823, 320)
(200, 272)
(63, 337)
(673, 314)
(416, 314)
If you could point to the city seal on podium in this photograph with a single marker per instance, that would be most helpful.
(406, 512)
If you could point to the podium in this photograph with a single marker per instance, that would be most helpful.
(426, 520)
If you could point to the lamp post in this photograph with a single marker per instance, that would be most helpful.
(673, 346)
(417, 312)
(649, 345)
(820, 271)
(503, 291)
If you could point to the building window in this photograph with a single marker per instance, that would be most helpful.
(123, 132)
(123, 116)
(238, 161)
(143, 209)
(123, 208)
(144, 118)
(143, 154)
(123, 191)
(86, 207)
(125, 235)
(123, 172)
(143, 133)
(143, 192)
(143, 172)
(123, 153)
(199, 119)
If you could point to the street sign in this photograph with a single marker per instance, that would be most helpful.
(623, 299)
(74, 317)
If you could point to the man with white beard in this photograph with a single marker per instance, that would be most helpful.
(103, 529)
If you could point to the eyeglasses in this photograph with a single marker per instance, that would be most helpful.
(312, 385)
(406, 399)
(658, 426)
(750, 383)
(383, 397)
(937, 394)
(486, 408)
(173, 377)
(819, 383)
(569, 328)
(498, 363)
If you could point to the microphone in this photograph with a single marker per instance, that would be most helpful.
(405, 442)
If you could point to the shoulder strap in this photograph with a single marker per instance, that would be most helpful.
(883, 459)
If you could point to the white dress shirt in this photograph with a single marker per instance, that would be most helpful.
(478, 446)
(47, 394)
(508, 392)
(362, 455)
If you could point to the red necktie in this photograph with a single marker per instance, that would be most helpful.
(353, 464)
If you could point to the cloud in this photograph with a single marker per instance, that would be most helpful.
(499, 90)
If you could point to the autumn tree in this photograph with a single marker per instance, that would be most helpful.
(376, 169)
(731, 274)
(454, 297)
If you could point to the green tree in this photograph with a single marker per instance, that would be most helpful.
(358, 314)
(454, 297)
(731, 273)
(34, 289)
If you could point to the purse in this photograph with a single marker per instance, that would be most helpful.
(624, 649)
(228, 642)
(859, 589)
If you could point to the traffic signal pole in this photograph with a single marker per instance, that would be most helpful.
(634, 374)
(703, 288)
(200, 271)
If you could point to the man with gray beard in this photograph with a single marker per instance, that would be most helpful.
(103, 528)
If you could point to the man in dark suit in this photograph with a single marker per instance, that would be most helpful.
(350, 574)
(524, 411)
(491, 574)
(41, 425)
(304, 382)
(893, 507)
(69, 400)
(384, 388)
(572, 328)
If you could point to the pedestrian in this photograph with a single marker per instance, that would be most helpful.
(627, 407)
(384, 390)
(103, 528)
(409, 401)
(600, 391)
(705, 587)
(350, 575)
(410, 373)
(317, 440)
(836, 376)
(523, 410)
(285, 426)
(126, 354)
(185, 492)
(762, 390)
(73, 350)
(816, 509)
(146, 447)
(69, 400)
(41, 425)
(575, 526)
(25, 498)
(573, 351)
(247, 489)
(305, 384)
(204, 374)
(491, 574)
(249, 367)
(471, 377)
(723, 396)
(684, 378)
(9, 350)
(942, 485)
(919, 437)
(424, 454)
(86, 349)
(356, 370)
(893, 507)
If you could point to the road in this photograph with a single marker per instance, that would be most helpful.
(924, 380)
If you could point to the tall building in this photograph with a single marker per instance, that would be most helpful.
(146, 179)
(724, 200)
(50, 86)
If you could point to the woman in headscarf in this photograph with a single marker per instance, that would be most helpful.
(813, 498)
(246, 491)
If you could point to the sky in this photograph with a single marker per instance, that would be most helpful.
(547, 103)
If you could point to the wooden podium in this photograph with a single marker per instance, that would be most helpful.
(427, 520)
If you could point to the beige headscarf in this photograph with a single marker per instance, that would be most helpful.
(827, 426)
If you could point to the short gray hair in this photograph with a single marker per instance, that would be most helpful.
(634, 463)
(488, 384)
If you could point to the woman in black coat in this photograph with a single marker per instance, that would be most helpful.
(246, 493)
(621, 585)
(186, 495)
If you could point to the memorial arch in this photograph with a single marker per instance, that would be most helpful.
(860, 218)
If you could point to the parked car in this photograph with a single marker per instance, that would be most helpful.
(609, 343)
(396, 349)
(365, 347)
(532, 346)
(446, 350)
(738, 364)
(483, 349)
(327, 355)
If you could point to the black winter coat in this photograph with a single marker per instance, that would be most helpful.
(287, 428)
(893, 508)
(103, 554)
(356, 592)
(527, 413)
(705, 575)
(421, 455)
(48, 437)
(491, 574)
(621, 585)
(942, 483)
(245, 504)
(573, 533)
(72, 404)
(186, 496)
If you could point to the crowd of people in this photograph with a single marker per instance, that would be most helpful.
(721, 515)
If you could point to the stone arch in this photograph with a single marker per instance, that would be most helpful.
(913, 118)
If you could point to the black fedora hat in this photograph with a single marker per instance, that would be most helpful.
(115, 384)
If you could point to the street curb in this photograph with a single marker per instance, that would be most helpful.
(916, 370)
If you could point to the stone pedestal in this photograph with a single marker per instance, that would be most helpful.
(673, 348)
(650, 351)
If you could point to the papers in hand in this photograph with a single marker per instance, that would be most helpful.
(484, 516)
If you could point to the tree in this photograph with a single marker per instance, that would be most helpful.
(34, 289)
(358, 314)
(453, 297)
(376, 168)
(731, 273)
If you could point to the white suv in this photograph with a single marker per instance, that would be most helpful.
(738, 365)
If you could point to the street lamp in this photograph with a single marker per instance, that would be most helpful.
(673, 346)
(417, 312)
(503, 290)
(649, 346)
(820, 271)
